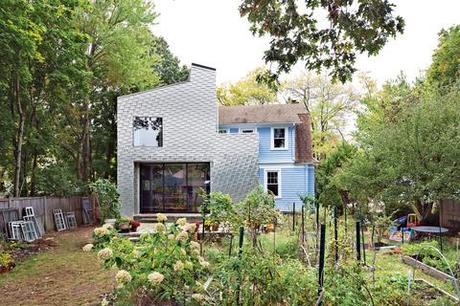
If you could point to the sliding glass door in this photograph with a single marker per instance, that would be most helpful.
(172, 187)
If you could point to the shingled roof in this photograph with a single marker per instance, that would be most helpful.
(271, 113)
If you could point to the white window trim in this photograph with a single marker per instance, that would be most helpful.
(247, 129)
(279, 181)
(286, 140)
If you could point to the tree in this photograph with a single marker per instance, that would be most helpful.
(168, 68)
(409, 148)
(445, 68)
(247, 91)
(299, 32)
(330, 105)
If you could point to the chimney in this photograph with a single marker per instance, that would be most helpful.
(303, 140)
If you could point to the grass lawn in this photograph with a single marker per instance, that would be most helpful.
(63, 275)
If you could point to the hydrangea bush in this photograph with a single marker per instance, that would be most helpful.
(165, 265)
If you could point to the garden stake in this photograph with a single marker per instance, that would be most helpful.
(240, 251)
(240, 244)
(336, 236)
(358, 241)
(364, 245)
(346, 222)
(402, 235)
(293, 217)
(321, 260)
(303, 224)
(274, 235)
(231, 245)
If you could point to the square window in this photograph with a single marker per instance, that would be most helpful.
(247, 131)
(148, 131)
(223, 131)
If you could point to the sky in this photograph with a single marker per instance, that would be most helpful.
(212, 33)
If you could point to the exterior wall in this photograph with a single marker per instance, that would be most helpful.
(189, 112)
(295, 180)
(266, 154)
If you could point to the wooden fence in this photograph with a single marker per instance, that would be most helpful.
(43, 208)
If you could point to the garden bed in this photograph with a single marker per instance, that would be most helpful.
(427, 269)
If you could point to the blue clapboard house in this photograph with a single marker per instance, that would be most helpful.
(286, 164)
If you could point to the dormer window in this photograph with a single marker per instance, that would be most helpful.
(148, 131)
(279, 139)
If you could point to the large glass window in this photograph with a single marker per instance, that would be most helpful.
(279, 138)
(148, 131)
(172, 187)
(272, 182)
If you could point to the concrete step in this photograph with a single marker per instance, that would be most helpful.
(172, 217)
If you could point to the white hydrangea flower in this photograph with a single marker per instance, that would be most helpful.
(198, 297)
(160, 228)
(203, 262)
(171, 236)
(182, 236)
(178, 266)
(101, 231)
(104, 302)
(194, 245)
(155, 278)
(183, 252)
(181, 221)
(189, 227)
(105, 254)
(88, 247)
(123, 277)
(161, 217)
(108, 226)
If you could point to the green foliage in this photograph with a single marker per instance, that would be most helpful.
(297, 34)
(108, 198)
(262, 280)
(445, 67)
(428, 252)
(258, 208)
(165, 266)
(329, 192)
(247, 91)
(220, 207)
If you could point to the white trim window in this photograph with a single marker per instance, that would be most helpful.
(279, 138)
(223, 131)
(247, 131)
(273, 182)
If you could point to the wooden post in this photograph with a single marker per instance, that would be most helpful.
(45, 214)
(321, 260)
(240, 251)
(358, 241)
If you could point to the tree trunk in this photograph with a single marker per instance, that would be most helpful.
(19, 137)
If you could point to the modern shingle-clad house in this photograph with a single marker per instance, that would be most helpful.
(174, 140)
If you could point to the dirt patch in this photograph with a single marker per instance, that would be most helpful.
(58, 275)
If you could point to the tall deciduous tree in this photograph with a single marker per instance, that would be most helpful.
(247, 91)
(325, 34)
(330, 105)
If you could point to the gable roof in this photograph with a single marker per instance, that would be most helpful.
(270, 113)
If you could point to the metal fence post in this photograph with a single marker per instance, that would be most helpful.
(321, 260)
(336, 236)
(293, 216)
(358, 241)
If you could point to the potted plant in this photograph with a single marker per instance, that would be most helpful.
(134, 225)
(123, 224)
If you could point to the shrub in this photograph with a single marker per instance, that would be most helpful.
(220, 207)
(108, 198)
(164, 266)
